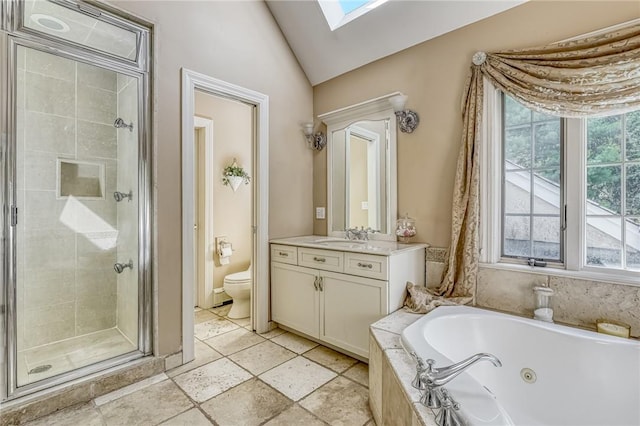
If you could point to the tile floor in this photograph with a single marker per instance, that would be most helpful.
(238, 378)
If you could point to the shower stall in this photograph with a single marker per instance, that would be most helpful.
(75, 192)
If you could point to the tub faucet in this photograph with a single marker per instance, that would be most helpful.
(429, 379)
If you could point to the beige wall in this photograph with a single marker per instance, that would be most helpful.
(232, 214)
(238, 42)
(432, 74)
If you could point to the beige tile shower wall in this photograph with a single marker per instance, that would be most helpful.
(127, 249)
(576, 302)
(63, 243)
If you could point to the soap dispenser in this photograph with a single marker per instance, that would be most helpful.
(543, 310)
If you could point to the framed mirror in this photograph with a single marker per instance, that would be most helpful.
(361, 168)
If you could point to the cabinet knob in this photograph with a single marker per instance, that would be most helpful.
(320, 259)
(283, 254)
(365, 265)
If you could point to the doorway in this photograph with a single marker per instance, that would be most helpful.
(257, 159)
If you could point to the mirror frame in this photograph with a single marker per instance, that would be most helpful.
(371, 110)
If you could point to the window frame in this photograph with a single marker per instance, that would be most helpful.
(574, 194)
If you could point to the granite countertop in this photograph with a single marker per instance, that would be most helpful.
(376, 247)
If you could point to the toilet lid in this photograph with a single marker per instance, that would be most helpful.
(238, 276)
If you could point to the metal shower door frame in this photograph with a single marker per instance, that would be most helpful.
(11, 37)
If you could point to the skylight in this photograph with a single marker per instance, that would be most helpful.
(341, 12)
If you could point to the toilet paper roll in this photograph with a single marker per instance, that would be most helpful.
(225, 252)
(224, 260)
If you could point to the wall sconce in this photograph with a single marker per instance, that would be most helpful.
(407, 120)
(315, 141)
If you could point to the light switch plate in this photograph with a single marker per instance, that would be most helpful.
(319, 212)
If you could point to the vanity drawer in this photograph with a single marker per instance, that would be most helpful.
(327, 260)
(284, 254)
(366, 265)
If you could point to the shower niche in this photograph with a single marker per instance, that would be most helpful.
(71, 312)
(80, 179)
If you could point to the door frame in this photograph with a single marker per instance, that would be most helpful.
(206, 288)
(191, 81)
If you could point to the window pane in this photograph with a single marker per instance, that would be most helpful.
(633, 135)
(603, 189)
(633, 242)
(633, 189)
(517, 147)
(604, 242)
(546, 237)
(604, 139)
(515, 113)
(546, 192)
(547, 144)
(517, 192)
(517, 236)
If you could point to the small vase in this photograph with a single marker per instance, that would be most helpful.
(234, 182)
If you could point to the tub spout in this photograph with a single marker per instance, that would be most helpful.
(436, 377)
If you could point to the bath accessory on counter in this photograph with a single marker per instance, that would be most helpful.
(120, 123)
(543, 310)
(613, 328)
(233, 175)
(406, 228)
(119, 196)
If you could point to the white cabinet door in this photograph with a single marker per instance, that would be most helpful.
(348, 306)
(294, 298)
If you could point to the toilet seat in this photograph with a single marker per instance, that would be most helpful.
(238, 277)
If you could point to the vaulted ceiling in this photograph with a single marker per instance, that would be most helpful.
(383, 31)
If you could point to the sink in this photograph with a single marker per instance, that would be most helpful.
(343, 241)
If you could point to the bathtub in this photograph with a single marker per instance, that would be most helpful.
(581, 378)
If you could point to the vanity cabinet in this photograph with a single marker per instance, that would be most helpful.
(334, 296)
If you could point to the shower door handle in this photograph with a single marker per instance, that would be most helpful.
(119, 267)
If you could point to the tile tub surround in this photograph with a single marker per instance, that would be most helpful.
(577, 302)
(392, 399)
(316, 386)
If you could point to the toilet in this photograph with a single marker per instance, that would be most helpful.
(238, 287)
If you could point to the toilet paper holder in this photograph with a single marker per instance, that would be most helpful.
(223, 244)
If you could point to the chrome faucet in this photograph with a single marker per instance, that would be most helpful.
(359, 234)
(428, 378)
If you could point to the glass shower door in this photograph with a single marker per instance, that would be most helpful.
(76, 166)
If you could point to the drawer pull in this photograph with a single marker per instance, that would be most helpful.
(365, 265)
(315, 283)
(283, 254)
(320, 259)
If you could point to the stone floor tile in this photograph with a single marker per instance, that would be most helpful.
(298, 377)
(249, 404)
(203, 355)
(295, 416)
(84, 414)
(234, 341)
(294, 343)
(203, 315)
(262, 357)
(222, 310)
(242, 322)
(359, 373)
(331, 359)
(211, 379)
(193, 417)
(273, 333)
(340, 402)
(213, 327)
(150, 405)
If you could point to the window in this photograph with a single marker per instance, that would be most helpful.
(341, 12)
(563, 190)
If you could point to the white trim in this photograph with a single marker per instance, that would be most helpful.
(205, 292)
(372, 110)
(575, 192)
(595, 33)
(191, 81)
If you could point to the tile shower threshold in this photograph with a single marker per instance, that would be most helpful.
(40, 402)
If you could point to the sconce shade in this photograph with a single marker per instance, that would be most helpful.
(307, 129)
(398, 102)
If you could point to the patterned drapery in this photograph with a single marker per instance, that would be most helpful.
(593, 76)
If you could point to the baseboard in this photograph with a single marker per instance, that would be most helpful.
(220, 297)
